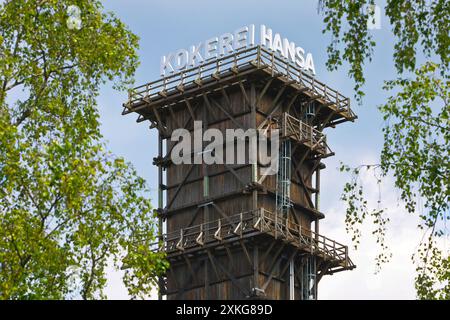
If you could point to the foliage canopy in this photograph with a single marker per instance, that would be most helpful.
(68, 207)
(416, 130)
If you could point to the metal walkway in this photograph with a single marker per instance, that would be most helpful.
(249, 224)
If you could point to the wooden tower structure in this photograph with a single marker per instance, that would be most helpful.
(229, 231)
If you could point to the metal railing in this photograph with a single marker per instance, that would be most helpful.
(220, 229)
(255, 57)
(260, 220)
(304, 133)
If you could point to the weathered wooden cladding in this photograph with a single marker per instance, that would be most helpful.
(250, 256)
(206, 278)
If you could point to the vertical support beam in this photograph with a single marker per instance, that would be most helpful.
(291, 279)
(160, 206)
(254, 165)
(207, 295)
(317, 200)
(255, 267)
(206, 217)
(316, 225)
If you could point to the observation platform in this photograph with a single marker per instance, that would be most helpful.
(251, 224)
(236, 68)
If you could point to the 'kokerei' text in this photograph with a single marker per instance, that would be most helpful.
(243, 37)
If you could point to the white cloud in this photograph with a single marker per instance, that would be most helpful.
(115, 288)
(396, 278)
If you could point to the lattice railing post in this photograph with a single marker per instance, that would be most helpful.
(337, 100)
(238, 229)
(273, 63)
(287, 70)
(180, 244)
(217, 234)
(199, 240)
(258, 58)
(346, 256)
(334, 250)
(147, 90)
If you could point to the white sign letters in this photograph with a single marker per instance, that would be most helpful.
(229, 42)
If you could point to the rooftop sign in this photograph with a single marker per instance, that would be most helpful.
(230, 42)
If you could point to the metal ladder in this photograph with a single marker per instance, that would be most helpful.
(309, 285)
(283, 201)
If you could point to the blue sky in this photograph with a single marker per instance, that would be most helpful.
(165, 26)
